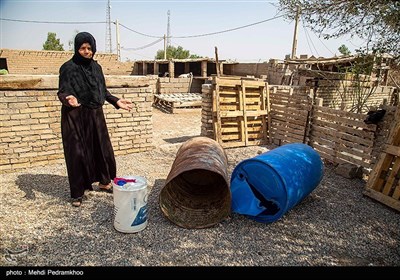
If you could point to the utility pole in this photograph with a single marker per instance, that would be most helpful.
(168, 30)
(108, 28)
(118, 43)
(165, 47)
(294, 46)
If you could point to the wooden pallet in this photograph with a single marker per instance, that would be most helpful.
(169, 102)
(240, 112)
(384, 181)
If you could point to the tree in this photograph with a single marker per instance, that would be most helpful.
(52, 43)
(173, 52)
(343, 49)
(375, 21)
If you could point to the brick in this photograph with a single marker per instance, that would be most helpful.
(39, 115)
(39, 126)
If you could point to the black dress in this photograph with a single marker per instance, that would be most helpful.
(88, 152)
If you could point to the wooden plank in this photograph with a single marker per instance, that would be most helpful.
(234, 129)
(384, 160)
(218, 112)
(339, 155)
(232, 144)
(351, 130)
(268, 104)
(242, 94)
(235, 82)
(338, 141)
(387, 200)
(285, 134)
(290, 108)
(263, 108)
(344, 121)
(285, 119)
(330, 157)
(393, 150)
(396, 193)
(294, 132)
(392, 175)
(340, 135)
(340, 112)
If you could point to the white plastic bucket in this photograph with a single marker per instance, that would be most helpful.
(130, 205)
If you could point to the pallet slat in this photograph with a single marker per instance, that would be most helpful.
(384, 181)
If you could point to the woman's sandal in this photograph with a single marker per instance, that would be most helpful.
(106, 188)
(76, 202)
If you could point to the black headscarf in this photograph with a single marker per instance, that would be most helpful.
(83, 77)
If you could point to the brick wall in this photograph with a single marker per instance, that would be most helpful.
(347, 95)
(49, 62)
(30, 131)
(179, 85)
(251, 69)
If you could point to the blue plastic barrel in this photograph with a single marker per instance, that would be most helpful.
(267, 186)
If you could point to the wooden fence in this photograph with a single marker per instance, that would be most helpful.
(341, 136)
(242, 117)
(290, 111)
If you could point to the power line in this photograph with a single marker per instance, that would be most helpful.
(312, 43)
(151, 36)
(323, 44)
(308, 42)
(143, 47)
(55, 22)
(227, 30)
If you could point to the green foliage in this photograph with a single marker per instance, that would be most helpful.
(52, 43)
(176, 53)
(343, 49)
(375, 21)
(195, 56)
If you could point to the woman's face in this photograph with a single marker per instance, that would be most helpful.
(86, 50)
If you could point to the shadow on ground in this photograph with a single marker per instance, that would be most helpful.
(46, 183)
(178, 139)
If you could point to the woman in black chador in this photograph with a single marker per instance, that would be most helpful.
(88, 152)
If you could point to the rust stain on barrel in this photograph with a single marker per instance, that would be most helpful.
(196, 193)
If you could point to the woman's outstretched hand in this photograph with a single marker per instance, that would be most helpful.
(72, 101)
(125, 104)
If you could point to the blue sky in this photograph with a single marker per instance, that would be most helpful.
(260, 42)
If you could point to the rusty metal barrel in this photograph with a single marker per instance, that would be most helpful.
(196, 193)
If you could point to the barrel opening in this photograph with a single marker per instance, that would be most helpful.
(196, 198)
(271, 207)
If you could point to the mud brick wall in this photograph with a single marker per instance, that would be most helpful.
(179, 85)
(344, 95)
(49, 62)
(30, 131)
(249, 69)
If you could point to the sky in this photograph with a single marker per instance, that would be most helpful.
(143, 23)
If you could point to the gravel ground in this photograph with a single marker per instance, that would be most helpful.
(334, 226)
